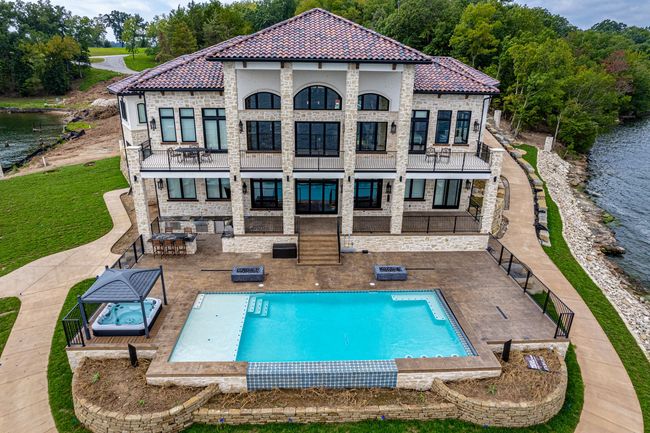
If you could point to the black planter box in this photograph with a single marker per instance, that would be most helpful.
(285, 251)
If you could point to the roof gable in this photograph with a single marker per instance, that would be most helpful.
(318, 35)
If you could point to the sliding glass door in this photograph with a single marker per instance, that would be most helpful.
(316, 196)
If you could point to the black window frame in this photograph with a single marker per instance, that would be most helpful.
(183, 197)
(180, 122)
(362, 102)
(173, 119)
(277, 200)
(415, 120)
(328, 91)
(252, 101)
(220, 187)
(276, 140)
(125, 117)
(445, 193)
(408, 190)
(439, 119)
(466, 129)
(216, 118)
(144, 112)
(311, 150)
(323, 182)
(375, 184)
(375, 136)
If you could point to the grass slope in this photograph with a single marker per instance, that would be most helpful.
(44, 213)
(633, 358)
(93, 76)
(59, 375)
(110, 51)
(564, 422)
(140, 62)
(31, 102)
(8, 313)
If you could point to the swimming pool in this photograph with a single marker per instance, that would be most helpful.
(320, 326)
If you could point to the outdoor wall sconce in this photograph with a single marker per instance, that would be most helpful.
(288, 178)
(244, 188)
(135, 178)
(468, 184)
(241, 127)
(477, 126)
(400, 178)
(393, 128)
(389, 188)
(160, 184)
(349, 178)
(495, 178)
(152, 124)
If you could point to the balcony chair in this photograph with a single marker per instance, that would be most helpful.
(168, 246)
(445, 153)
(173, 155)
(158, 248)
(205, 156)
(188, 230)
(430, 153)
(180, 247)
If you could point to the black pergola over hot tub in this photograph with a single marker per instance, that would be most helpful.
(122, 285)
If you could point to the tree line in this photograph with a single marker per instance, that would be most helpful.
(554, 77)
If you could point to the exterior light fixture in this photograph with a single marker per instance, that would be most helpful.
(393, 128)
(477, 126)
(468, 184)
(241, 127)
(160, 184)
(135, 178)
(389, 188)
(244, 188)
(152, 124)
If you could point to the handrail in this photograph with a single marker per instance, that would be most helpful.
(338, 236)
(298, 231)
(550, 304)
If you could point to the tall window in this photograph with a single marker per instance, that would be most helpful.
(462, 127)
(414, 189)
(372, 102)
(181, 189)
(266, 193)
(443, 126)
(214, 129)
(264, 136)
(142, 114)
(217, 189)
(317, 98)
(167, 125)
(188, 127)
(371, 136)
(367, 194)
(446, 194)
(419, 128)
(123, 110)
(263, 101)
(317, 138)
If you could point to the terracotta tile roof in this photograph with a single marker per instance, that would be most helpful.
(320, 35)
(448, 75)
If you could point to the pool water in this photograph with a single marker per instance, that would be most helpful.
(127, 313)
(320, 326)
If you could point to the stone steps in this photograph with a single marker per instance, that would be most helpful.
(318, 250)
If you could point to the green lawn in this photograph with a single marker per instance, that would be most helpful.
(97, 60)
(110, 51)
(93, 76)
(8, 313)
(140, 62)
(35, 102)
(44, 213)
(634, 360)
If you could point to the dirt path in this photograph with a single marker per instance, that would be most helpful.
(610, 403)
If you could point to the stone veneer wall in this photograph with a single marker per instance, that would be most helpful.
(406, 243)
(253, 243)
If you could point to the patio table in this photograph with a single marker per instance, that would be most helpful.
(188, 238)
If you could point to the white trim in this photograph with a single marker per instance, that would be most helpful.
(184, 174)
(261, 174)
(375, 175)
(318, 175)
(442, 175)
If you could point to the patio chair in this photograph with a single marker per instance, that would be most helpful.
(188, 230)
(169, 230)
(158, 248)
(206, 156)
(429, 153)
(180, 247)
(168, 246)
(173, 155)
(445, 153)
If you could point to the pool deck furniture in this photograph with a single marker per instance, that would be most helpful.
(188, 238)
(247, 274)
(390, 273)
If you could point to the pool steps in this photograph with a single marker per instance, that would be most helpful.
(258, 306)
(434, 306)
(199, 301)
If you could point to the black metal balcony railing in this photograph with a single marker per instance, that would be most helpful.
(375, 161)
(454, 223)
(263, 224)
(318, 163)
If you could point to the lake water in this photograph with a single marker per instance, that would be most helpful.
(16, 129)
(620, 178)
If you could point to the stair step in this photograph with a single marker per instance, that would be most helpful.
(258, 306)
(265, 309)
(251, 304)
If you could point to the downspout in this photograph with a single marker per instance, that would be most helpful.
(484, 116)
(128, 168)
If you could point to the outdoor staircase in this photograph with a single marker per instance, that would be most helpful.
(258, 306)
(318, 250)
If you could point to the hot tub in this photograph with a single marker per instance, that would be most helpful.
(125, 318)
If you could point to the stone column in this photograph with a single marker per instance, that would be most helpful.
(491, 188)
(402, 155)
(497, 118)
(349, 147)
(139, 193)
(288, 148)
(232, 127)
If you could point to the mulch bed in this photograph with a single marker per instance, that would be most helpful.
(517, 382)
(114, 385)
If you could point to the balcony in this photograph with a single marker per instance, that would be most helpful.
(421, 222)
(318, 163)
(451, 161)
(200, 159)
(375, 161)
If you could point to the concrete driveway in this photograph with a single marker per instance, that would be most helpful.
(113, 63)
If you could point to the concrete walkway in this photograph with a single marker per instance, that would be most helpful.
(610, 403)
(113, 63)
(42, 287)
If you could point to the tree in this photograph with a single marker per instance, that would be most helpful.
(224, 25)
(131, 31)
(265, 13)
(474, 35)
(181, 41)
(115, 20)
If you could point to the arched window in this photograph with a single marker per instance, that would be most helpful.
(317, 98)
(263, 101)
(372, 102)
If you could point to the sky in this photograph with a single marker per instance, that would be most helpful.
(582, 13)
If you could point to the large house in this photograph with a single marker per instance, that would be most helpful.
(315, 121)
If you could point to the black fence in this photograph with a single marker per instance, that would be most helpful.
(72, 322)
(550, 304)
(263, 224)
(441, 224)
(155, 225)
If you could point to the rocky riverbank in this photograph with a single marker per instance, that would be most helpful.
(586, 244)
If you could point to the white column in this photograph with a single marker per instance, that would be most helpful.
(402, 155)
(491, 188)
(232, 127)
(349, 147)
(139, 193)
(288, 145)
